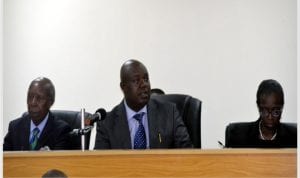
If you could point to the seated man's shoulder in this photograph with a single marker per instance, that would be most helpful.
(112, 115)
(19, 121)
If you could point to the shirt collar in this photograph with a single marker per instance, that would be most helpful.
(41, 125)
(130, 113)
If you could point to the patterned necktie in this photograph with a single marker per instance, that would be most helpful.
(34, 138)
(140, 135)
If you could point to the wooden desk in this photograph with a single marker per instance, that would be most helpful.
(155, 163)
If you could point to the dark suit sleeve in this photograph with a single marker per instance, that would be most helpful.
(182, 138)
(102, 138)
(8, 143)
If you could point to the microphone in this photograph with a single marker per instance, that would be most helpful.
(99, 115)
(78, 132)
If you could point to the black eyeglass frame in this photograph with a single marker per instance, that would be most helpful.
(276, 112)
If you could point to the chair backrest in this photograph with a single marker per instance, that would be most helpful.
(233, 131)
(236, 134)
(291, 124)
(73, 119)
(190, 111)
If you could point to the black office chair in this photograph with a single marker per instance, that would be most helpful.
(73, 118)
(236, 134)
(190, 111)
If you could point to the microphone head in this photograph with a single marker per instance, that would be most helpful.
(99, 115)
(102, 112)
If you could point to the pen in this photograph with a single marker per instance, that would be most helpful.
(159, 137)
(221, 144)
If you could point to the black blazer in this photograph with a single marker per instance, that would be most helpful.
(163, 119)
(54, 134)
(246, 135)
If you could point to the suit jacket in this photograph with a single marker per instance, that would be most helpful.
(246, 135)
(163, 120)
(54, 134)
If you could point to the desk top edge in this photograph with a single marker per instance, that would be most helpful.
(147, 152)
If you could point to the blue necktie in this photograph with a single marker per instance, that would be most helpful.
(140, 135)
(34, 138)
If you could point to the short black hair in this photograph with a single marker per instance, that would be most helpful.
(54, 173)
(47, 85)
(267, 87)
(127, 67)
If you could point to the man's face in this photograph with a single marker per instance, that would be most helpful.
(136, 88)
(38, 102)
(270, 109)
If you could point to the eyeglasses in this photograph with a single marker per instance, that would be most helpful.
(274, 113)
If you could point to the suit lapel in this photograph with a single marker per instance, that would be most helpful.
(25, 133)
(121, 129)
(46, 133)
(153, 124)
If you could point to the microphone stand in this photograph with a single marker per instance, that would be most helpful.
(82, 127)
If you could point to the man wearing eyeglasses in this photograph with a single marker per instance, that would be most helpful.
(267, 131)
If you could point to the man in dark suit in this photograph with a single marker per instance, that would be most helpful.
(139, 122)
(267, 131)
(38, 129)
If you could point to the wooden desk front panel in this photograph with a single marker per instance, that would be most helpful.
(155, 163)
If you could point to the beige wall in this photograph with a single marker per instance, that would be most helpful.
(215, 50)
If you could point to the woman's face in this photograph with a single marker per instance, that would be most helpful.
(270, 108)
